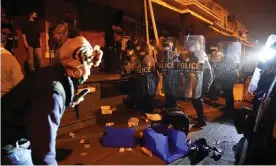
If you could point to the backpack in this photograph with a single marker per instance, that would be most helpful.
(176, 118)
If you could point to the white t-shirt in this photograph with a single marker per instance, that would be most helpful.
(11, 73)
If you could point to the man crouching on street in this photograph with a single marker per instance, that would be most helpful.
(32, 111)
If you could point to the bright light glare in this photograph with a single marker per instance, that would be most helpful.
(266, 54)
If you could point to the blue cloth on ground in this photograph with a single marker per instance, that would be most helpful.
(166, 143)
(118, 137)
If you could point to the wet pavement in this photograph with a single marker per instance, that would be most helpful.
(219, 132)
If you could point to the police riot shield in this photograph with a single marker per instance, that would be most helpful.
(146, 75)
(226, 70)
(182, 66)
(266, 65)
(231, 50)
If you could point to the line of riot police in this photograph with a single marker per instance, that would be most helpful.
(185, 69)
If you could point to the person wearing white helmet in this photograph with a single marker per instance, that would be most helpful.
(32, 110)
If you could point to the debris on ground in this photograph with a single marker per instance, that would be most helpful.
(84, 154)
(72, 135)
(154, 117)
(82, 141)
(199, 149)
(122, 150)
(146, 151)
(128, 149)
(132, 122)
(109, 124)
(216, 142)
(106, 110)
(86, 144)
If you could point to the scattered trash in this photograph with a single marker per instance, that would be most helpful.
(216, 155)
(106, 110)
(107, 107)
(128, 149)
(154, 117)
(82, 141)
(132, 122)
(109, 124)
(72, 135)
(86, 144)
(199, 149)
(84, 154)
(122, 150)
(216, 142)
(146, 151)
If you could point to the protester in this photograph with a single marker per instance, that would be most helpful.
(8, 30)
(31, 37)
(32, 111)
(11, 73)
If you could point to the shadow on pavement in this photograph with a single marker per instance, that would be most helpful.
(62, 154)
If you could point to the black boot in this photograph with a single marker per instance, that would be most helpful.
(200, 123)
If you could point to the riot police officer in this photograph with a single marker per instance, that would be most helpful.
(229, 71)
(128, 62)
(168, 55)
(199, 81)
(183, 77)
(216, 58)
(146, 77)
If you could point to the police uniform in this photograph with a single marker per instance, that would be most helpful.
(168, 55)
(228, 69)
(128, 62)
(146, 78)
(202, 83)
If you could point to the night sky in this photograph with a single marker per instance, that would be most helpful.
(259, 16)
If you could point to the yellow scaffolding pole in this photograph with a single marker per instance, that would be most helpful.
(146, 20)
(153, 23)
(164, 4)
